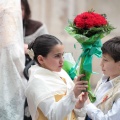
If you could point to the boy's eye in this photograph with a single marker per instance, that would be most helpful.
(105, 60)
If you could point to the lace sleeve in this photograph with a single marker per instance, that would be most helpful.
(12, 82)
(10, 23)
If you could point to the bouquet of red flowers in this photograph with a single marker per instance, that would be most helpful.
(88, 29)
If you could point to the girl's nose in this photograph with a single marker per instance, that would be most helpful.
(62, 59)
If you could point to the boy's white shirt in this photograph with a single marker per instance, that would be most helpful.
(96, 114)
(37, 96)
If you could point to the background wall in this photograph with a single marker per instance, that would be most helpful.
(55, 14)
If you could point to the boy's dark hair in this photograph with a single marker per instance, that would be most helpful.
(43, 45)
(27, 9)
(112, 47)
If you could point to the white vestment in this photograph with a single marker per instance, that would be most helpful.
(12, 82)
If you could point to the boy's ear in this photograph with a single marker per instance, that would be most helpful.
(40, 59)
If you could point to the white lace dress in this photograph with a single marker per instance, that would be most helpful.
(12, 82)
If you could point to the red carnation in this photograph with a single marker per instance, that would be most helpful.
(88, 20)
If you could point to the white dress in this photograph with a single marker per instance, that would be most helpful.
(12, 82)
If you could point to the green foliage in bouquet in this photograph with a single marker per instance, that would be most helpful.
(88, 29)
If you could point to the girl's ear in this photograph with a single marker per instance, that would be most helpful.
(40, 59)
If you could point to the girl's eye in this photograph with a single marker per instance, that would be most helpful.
(57, 56)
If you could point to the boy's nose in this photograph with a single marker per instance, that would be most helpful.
(101, 63)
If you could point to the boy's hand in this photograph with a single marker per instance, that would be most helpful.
(82, 98)
(88, 101)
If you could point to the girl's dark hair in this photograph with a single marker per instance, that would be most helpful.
(27, 9)
(43, 45)
(112, 47)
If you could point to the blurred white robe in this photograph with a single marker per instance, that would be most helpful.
(12, 82)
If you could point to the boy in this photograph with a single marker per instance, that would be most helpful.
(107, 104)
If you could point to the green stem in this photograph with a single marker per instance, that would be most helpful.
(87, 77)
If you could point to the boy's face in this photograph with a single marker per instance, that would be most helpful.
(109, 66)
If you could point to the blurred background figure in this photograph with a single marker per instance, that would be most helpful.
(12, 82)
(31, 28)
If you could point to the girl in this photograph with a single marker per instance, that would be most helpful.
(51, 94)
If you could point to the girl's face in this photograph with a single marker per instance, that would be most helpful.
(109, 66)
(54, 60)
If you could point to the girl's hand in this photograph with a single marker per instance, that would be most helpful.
(79, 86)
(82, 98)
